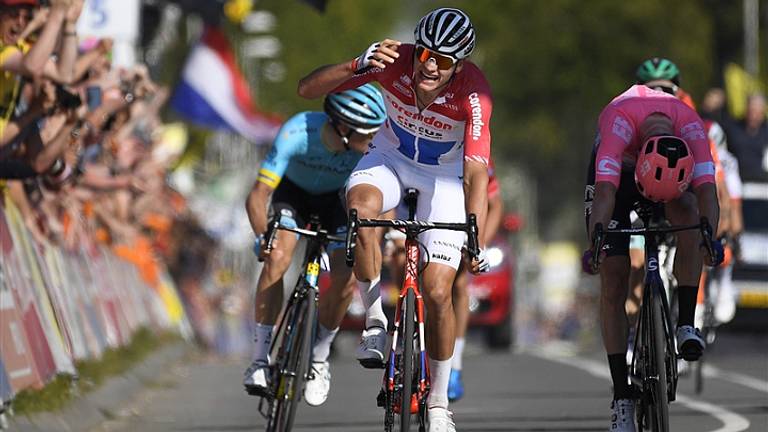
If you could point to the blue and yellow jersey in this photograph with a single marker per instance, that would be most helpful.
(299, 154)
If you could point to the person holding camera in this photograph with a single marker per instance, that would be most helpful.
(22, 151)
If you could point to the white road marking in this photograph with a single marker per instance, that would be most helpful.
(736, 378)
(732, 422)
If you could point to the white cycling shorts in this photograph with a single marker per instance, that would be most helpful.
(441, 198)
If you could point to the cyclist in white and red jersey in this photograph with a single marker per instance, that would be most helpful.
(437, 140)
(650, 146)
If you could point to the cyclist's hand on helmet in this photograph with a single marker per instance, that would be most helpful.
(379, 55)
(480, 263)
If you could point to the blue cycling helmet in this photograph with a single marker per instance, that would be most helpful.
(360, 108)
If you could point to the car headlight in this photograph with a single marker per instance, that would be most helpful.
(495, 256)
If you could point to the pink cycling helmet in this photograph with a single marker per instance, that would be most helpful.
(664, 168)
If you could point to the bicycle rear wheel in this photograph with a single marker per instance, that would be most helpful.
(659, 353)
(293, 373)
(407, 362)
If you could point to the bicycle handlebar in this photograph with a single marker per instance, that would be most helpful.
(322, 235)
(599, 234)
(353, 224)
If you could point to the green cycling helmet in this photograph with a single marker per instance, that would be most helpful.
(657, 68)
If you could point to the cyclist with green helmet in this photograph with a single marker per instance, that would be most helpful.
(662, 74)
(305, 173)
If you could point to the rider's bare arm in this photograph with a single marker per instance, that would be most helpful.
(324, 79)
(706, 194)
(476, 194)
(256, 206)
(494, 217)
(602, 205)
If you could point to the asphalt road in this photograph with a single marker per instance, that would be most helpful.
(554, 387)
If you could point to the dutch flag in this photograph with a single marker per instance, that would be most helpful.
(214, 94)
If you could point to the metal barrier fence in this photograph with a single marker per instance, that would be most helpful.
(59, 306)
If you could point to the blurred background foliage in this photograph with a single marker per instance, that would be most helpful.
(552, 66)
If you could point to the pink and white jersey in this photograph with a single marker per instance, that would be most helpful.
(619, 138)
(454, 127)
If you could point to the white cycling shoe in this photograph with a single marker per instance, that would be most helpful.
(370, 352)
(690, 344)
(622, 416)
(255, 380)
(317, 388)
(441, 420)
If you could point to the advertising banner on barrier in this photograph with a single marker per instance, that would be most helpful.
(80, 292)
(14, 347)
(67, 300)
(101, 294)
(52, 342)
(59, 302)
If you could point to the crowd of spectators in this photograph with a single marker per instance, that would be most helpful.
(78, 139)
(747, 137)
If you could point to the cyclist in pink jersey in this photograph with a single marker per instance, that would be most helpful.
(661, 126)
(437, 140)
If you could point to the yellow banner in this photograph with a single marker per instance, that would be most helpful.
(738, 86)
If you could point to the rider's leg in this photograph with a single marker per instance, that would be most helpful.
(269, 292)
(636, 277)
(614, 279)
(372, 189)
(331, 309)
(441, 325)
(269, 296)
(688, 259)
(367, 200)
(333, 305)
(461, 309)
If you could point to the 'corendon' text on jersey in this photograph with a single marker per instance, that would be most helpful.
(477, 116)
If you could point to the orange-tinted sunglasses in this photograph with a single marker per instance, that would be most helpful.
(443, 62)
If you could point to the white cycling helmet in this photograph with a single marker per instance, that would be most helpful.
(447, 31)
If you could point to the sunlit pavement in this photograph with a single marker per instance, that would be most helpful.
(548, 388)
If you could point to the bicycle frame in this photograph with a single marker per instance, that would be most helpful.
(410, 284)
(653, 370)
(292, 366)
(655, 288)
(398, 376)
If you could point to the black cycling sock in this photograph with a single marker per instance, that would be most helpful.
(686, 301)
(620, 376)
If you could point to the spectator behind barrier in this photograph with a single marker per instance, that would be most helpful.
(747, 138)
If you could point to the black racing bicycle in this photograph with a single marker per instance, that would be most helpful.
(406, 381)
(295, 332)
(654, 359)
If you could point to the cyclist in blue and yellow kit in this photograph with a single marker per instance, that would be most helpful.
(305, 172)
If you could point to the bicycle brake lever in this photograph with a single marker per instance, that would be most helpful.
(351, 238)
(598, 237)
(271, 234)
(472, 246)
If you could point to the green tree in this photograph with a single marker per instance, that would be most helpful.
(554, 64)
(310, 39)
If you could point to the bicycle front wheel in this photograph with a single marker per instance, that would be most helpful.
(659, 353)
(293, 376)
(407, 362)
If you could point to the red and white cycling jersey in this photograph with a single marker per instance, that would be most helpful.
(453, 127)
(619, 139)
